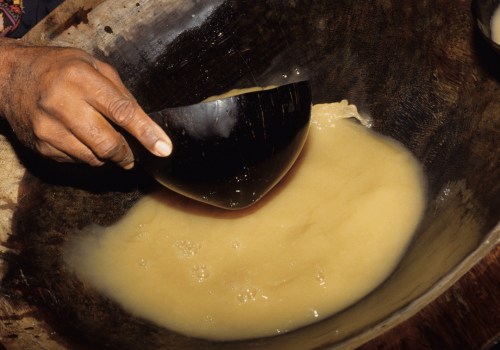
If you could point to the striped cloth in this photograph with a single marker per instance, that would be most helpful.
(10, 15)
(17, 17)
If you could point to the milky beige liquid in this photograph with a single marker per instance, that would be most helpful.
(235, 92)
(331, 231)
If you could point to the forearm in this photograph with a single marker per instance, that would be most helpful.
(13, 54)
(7, 52)
(9, 57)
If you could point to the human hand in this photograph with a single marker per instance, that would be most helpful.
(62, 101)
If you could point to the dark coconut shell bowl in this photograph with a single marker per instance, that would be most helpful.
(419, 69)
(232, 151)
(483, 12)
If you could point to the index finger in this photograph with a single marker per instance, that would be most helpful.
(111, 98)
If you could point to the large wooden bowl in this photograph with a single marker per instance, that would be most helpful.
(418, 68)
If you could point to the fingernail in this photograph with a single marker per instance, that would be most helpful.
(162, 149)
(128, 166)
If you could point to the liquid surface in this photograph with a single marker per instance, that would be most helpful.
(495, 26)
(326, 236)
(235, 92)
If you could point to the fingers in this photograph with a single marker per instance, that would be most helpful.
(55, 141)
(81, 132)
(87, 96)
(115, 102)
(49, 150)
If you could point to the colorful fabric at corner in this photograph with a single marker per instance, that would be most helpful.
(10, 15)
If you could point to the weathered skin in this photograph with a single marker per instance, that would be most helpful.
(60, 102)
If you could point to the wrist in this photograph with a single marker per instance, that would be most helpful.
(9, 60)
